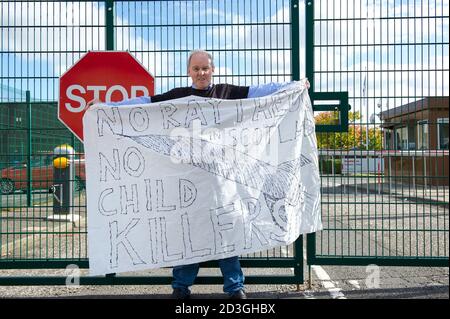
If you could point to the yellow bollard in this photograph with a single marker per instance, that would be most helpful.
(61, 162)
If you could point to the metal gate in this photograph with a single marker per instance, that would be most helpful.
(253, 41)
(385, 181)
(384, 194)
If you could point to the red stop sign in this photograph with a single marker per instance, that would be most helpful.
(107, 75)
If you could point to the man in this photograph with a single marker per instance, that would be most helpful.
(200, 69)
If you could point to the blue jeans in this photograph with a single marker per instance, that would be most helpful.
(233, 278)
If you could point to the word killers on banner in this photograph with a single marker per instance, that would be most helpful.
(220, 227)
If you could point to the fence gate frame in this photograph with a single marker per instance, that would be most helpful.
(294, 262)
(312, 256)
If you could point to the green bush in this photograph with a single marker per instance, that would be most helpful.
(326, 166)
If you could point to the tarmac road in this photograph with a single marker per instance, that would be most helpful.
(328, 282)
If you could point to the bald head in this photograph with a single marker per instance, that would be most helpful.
(200, 52)
(200, 69)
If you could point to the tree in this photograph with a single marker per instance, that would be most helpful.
(355, 138)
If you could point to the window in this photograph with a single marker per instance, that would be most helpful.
(401, 138)
(443, 133)
(411, 137)
(388, 140)
(422, 135)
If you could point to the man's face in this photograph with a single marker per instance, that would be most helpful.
(200, 70)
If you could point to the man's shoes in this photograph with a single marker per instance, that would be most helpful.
(240, 294)
(179, 293)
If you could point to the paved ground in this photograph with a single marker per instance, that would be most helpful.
(358, 220)
(328, 282)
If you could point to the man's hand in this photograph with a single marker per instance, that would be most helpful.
(307, 84)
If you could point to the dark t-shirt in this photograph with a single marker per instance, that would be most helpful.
(219, 91)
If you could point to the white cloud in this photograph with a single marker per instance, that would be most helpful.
(47, 38)
(72, 26)
(54, 28)
(264, 46)
(385, 38)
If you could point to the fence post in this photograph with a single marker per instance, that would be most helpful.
(295, 70)
(29, 148)
(309, 63)
(298, 254)
(109, 12)
(309, 43)
(295, 41)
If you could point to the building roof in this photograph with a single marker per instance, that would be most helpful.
(12, 94)
(430, 102)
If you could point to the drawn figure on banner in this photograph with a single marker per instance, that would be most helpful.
(250, 172)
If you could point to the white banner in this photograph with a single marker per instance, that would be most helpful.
(197, 179)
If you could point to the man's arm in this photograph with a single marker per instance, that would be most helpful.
(135, 100)
(172, 94)
(265, 89)
(269, 88)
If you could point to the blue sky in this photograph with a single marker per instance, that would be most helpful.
(399, 47)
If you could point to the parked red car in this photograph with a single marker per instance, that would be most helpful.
(15, 177)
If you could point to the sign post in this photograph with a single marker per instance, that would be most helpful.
(106, 75)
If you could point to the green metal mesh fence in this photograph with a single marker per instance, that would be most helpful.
(251, 41)
(385, 182)
(385, 193)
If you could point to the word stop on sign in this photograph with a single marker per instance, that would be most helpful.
(76, 93)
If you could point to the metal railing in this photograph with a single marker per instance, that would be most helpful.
(252, 41)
